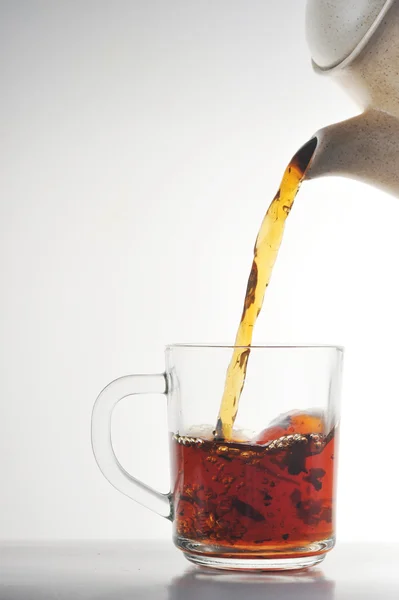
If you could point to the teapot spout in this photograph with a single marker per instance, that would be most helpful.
(365, 147)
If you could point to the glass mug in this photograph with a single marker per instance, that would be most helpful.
(264, 500)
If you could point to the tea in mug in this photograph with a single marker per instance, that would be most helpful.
(275, 491)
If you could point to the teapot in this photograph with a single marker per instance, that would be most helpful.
(357, 43)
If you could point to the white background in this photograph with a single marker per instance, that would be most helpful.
(141, 143)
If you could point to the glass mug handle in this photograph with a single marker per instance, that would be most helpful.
(130, 385)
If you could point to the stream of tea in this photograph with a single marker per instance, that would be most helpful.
(265, 253)
(274, 492)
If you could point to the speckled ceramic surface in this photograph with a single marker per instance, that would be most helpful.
(334, 28)
(365, 147)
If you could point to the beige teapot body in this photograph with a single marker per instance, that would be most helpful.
(357, 43)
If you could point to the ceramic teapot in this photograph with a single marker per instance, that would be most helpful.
(357, 43)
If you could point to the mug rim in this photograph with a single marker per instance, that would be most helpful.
(199, 346)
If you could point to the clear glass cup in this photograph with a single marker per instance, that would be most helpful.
(264, 499)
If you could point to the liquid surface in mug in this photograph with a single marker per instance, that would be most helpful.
(265, 254)
(275, 491)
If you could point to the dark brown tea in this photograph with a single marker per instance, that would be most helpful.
(274, 493)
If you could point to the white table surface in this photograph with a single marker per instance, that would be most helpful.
(157, 571)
